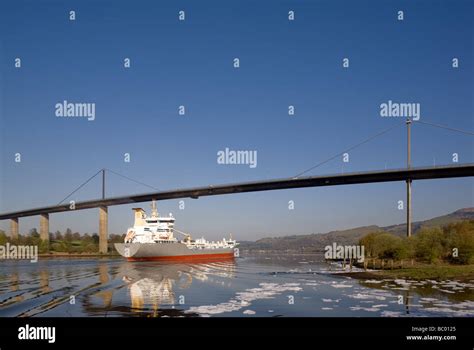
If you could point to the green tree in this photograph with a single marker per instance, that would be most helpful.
(68, 235)
(43, 246)
(368, 241)
(430, 245)
(460, 242)
(58, 236)
(3, 238)
(34, 233)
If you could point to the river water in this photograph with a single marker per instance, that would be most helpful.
(247, 287)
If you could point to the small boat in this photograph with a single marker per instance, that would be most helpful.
(152, 238)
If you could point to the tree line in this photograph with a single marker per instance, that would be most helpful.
(452, 243)
(67, 242)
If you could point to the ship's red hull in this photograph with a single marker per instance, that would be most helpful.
(194, 257)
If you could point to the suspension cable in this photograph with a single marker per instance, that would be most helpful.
(348, 149)
(82, 185)
(446, 127)
(133, 180)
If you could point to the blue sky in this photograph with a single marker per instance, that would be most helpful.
(190, 63)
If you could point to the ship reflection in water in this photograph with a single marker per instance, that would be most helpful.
(247, 287)
(152, 285)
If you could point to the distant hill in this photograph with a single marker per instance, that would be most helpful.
(317, 241)
(458, 215)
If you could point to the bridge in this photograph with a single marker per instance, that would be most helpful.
(408, 175)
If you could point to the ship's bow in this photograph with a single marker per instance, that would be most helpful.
(127, 250)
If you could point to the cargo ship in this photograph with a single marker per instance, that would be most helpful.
(153, 238)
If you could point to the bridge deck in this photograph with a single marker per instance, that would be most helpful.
(452, 171)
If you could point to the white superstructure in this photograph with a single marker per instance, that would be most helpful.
(160, 230)
(152, 229)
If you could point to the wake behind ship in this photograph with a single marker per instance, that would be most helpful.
(152, 238)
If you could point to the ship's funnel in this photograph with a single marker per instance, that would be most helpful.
(140, 216)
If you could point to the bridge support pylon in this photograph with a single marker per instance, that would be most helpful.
(408, 122)
(44, 228)
(103, 229)
(14, 228)
(409, 208)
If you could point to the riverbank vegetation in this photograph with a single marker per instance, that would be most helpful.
(434, 272)
(68, 242)
(452, 244)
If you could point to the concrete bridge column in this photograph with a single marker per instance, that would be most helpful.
(44, 227)
(14, 228)
(103, 229)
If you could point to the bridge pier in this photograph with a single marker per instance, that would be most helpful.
(44, 227)
(14, 228)
(103, 229)
(408, 208)
(408, 122)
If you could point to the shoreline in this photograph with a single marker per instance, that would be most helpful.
(77, 255)
(464, 273)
